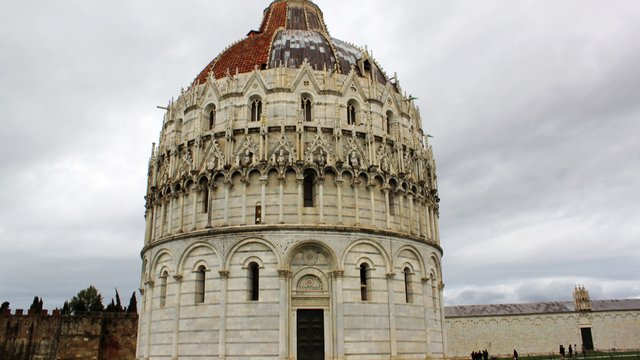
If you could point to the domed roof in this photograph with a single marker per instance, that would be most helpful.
(291, 31)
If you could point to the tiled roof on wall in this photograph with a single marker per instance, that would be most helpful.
(537, 308)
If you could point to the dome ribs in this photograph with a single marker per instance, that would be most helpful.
(313, 22)
(290, 32)
(296, 19)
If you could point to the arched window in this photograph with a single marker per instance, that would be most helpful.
(256, 109)
(388, 122)
(258, 213)
(351, 113)
(434, 293)
(200, 284)
(212, 118)
(163, 288)
(365, 272)
(408, 290)
(254, 282)
(309, 179)
(392, 203)
(306, 108)
(204, 191)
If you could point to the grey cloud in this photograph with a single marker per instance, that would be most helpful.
(534, 118)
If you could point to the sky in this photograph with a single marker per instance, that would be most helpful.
(534, 109)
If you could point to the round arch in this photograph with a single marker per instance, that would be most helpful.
(249, 240)
(383, 253)
(423, 267)
(194, 246)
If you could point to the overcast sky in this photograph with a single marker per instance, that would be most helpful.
(534, 107)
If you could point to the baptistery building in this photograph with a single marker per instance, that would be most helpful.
(292, 207)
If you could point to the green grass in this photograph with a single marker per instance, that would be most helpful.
(595, 355)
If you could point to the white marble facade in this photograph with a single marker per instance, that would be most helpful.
(291, 188)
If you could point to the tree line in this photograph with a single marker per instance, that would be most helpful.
(88, 300)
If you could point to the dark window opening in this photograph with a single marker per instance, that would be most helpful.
(256, 110)
(254, 281)
(205, 198)
(308, 189)
(389, 119)
(258, 214)
(367, 66)
(212, 118)
(392, 203)
(306, 108)
(408, 291)
(351, 114)
(364, 282)
(163, 288)
(200, 283)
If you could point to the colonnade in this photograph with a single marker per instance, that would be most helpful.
(413, 214)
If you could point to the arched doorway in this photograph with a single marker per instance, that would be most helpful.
(311, 317)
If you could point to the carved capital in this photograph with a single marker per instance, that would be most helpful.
(177, 278)
(224, 274)
(425, 279)
(337, 273)
(391, 275)
(284, 273)
(149, 283)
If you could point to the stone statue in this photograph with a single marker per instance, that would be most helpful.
(353, 159)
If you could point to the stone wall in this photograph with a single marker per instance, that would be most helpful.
(541, 333)
(56, 337)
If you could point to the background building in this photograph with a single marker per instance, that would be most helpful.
(292, 207)
(540, 328)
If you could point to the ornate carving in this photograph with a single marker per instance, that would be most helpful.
(310, 257)
(246, 155)
(284, 273)
(309, 283)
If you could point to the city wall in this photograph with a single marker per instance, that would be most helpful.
(541, 333)
(102, 336)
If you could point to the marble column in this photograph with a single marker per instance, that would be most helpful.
(222, 341)
(412, 229)
(338, 276)
(437, 228)
(162, 218)
(209, 201)
(320, 181)
(281, 181)
(393, 341)
(263, 198)
(372, 197)
(425, 301)
(387, 212)
(172, 198)
(428, 221)
(244, 202)
(176, 317)
(194, 207)
(182, 195)
(401, 210)
(300, 182)
(149, 309)
(355, 185)
(283, 321)
(338, 184)
(227, 188)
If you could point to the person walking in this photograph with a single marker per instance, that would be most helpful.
(570, 351)
(515, 354)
